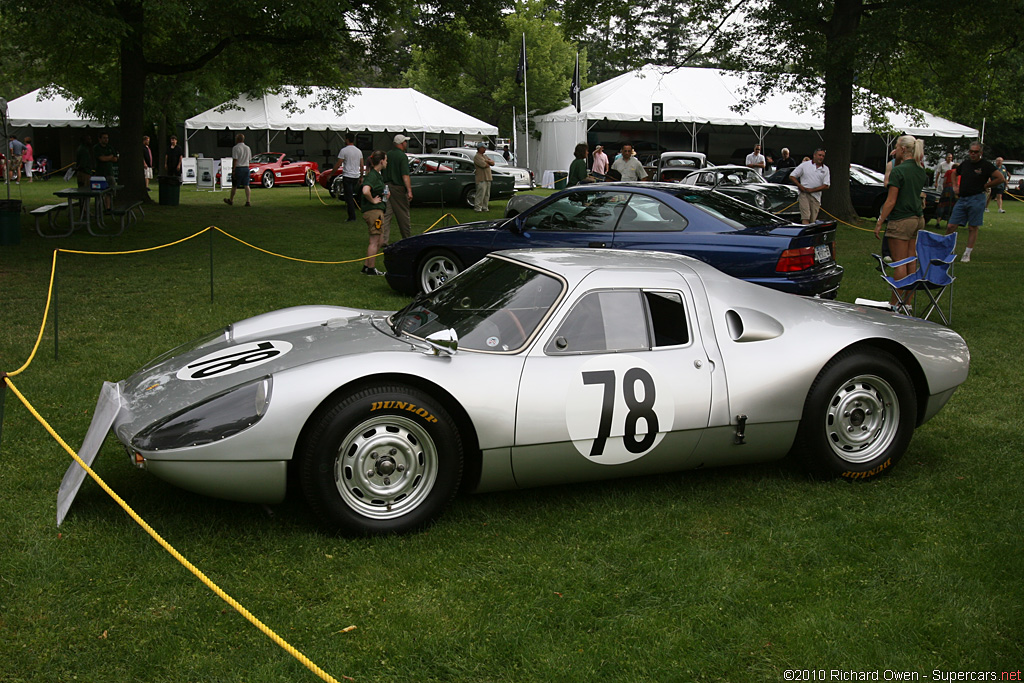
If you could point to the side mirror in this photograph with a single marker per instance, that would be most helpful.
(442, 341)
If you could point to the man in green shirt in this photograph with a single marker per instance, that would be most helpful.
(105, 157)
(396, 175)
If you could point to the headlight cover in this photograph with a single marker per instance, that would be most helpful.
(217, 418)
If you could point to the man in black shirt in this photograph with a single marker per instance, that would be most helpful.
(976, 176)
(786, 161)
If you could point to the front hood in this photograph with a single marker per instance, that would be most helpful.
(274, 342)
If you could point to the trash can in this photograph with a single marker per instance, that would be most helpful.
(561, 179)
(170, 190)
(10, 222)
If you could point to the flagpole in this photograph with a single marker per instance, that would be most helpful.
(526, 111)
(515, 133)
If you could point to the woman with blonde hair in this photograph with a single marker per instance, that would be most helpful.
(904, 206)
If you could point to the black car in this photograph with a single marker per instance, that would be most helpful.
(747, 185)
(735, 237)
(867, 191)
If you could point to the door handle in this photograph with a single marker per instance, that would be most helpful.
(597, 245)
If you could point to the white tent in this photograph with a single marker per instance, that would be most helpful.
(40, 111)
(695, 98)
(377, 110)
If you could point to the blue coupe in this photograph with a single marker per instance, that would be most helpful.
(737, 238)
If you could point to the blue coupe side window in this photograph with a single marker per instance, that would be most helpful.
(647, 214)
(579, 211)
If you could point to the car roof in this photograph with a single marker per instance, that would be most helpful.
(575, 264)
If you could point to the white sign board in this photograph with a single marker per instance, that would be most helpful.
(206, 173)
(188, 171)
(226, 166)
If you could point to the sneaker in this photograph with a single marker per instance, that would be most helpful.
(228, 201)
(887, 259)
(371, 271)
(966, 258)
(248, 204)
(1002, 210)
(986, 210)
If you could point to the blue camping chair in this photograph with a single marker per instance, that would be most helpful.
(934, 275)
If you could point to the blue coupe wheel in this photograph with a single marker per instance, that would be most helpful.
(436, 269)
(384, 460)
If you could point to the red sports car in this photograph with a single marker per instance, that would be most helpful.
(276, 168)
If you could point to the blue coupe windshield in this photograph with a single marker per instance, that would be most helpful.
(496, 305)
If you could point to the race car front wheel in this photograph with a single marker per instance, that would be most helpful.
(859, 416)
(268, 179)
(384, 460)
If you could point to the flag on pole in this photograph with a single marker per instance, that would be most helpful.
(521, 69)
(574, 89)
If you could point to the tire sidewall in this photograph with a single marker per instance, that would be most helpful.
(812, 443)
(320, 453)
(421, 268)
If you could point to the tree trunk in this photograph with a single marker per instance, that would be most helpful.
(840, 70)
(133, 93)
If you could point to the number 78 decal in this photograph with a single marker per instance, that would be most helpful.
(616, 413)
(233, 359)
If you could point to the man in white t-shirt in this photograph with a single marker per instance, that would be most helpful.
(629, 166)
(241, 156)
(811, 178)
(350, 161)
(940, 172)
(755, 160)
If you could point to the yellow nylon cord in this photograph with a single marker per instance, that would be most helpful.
(441, 219)
(290, 258)
(140, 251)
(46, 313)
(170, 549)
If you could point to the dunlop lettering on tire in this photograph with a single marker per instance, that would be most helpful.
(383, 460)
(859, 416)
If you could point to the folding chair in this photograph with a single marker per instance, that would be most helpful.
(935, 256)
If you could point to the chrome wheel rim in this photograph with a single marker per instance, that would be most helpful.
(862, 419)
(386, 467)
(436, 271)
(268, 180)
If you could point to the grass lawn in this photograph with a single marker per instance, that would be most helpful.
(736, 574)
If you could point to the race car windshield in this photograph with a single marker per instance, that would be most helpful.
(734, 212)
(264, 158)
(495, 306)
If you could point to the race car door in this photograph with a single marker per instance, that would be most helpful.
(619, 386)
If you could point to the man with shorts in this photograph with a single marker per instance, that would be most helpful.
(147, 160)
(976, 175)
(811, 177)
(241, 155)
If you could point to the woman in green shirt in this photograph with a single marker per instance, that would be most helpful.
(904, 206)
(578, 168)
(373, 203)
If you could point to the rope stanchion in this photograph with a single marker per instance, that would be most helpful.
(221, 593)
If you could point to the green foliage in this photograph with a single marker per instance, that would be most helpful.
(475, 73)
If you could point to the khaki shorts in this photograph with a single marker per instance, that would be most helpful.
(809, 207)
(904, 228)
(374, 221)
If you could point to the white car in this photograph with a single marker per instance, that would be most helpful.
(1014, 175)
(523, 176)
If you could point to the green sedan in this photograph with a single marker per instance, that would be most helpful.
(437, 179)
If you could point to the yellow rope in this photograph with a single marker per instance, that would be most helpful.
(46, 312)
(785, 207)
(844, 222)
(140, 251)
(441, 219)
(170, 549)
(290, 258)
(317, 189)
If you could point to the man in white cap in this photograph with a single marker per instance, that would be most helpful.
(396, 175)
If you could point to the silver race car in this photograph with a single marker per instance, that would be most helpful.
(532, 367)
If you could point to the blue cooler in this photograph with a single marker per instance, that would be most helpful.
(98, 182)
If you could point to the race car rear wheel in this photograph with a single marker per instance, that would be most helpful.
(437, 268)
(469, 197)
(385, 460)
(268, 179)
(310, 177)
(859, 416)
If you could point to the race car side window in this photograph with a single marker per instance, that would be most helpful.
(668, 318)
(603, 321)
